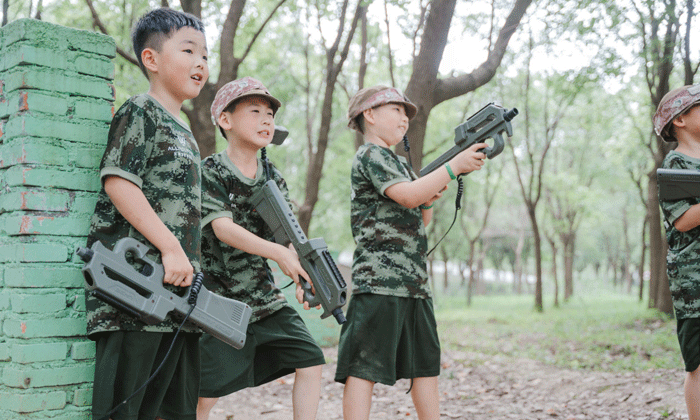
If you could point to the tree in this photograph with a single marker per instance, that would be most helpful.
(335, 59)
(230, 59)
(426, 89)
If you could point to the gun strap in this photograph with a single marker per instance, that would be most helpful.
(266, 163)
(458, 206)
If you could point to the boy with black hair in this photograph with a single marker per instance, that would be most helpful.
(235, 248)
(151, 191)
(677, 118)
(391, 331)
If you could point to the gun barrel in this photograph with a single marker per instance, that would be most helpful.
(314, 257)
(509, 115)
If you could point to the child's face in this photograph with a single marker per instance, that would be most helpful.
(182, 63)
(389, 122)
(251, 123)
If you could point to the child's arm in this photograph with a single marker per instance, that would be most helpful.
(688, 220)
(133, 205)
(233, 234)
(424, 190)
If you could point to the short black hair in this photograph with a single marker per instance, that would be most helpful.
(153, 28)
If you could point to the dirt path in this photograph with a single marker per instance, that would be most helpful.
(479, 387)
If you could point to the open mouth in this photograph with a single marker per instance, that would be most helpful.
(197, 77)
(264, 132)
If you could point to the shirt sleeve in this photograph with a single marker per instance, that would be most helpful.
(127, 151)
(382, 168)
(215, 200)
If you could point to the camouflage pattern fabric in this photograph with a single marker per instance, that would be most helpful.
(391, 244)
(683, 260)
(231, 272)
(155, 151)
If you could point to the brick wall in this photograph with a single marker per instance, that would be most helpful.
(56, 102)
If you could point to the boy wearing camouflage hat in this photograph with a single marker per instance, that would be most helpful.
(235, 250)
(391, 331)
(678, 119)
(147, 143)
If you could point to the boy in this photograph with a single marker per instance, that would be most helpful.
(152, 192)
(678, 119)
(234, 253)
(391, 331)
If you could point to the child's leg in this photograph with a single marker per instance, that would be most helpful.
(426, 398)
(306, 392)
(692, 394)
(204, 406)
(357, 398)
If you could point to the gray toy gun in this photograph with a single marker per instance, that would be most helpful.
(676, 184)
(489, 122)
(331, 289)
(109, 277)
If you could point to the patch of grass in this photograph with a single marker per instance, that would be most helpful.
(606, 332)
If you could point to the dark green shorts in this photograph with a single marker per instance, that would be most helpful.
(387, 338)
(125, 360)
(275, 346)
(688, 331)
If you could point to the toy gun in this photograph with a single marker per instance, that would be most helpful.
(676, 184)
(110, 278)
(331, 290)
(489, 122)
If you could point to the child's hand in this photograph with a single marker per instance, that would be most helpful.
(469, 160)
(178, 270)
(288, 261)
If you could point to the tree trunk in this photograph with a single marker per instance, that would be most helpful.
(426, 90)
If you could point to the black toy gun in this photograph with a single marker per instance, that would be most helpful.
(489, 122)
(676, 184)
(331, 289)
(109, 277)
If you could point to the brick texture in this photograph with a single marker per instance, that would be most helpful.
(56, 103)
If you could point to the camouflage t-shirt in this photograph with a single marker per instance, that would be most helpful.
(391, 244)
(683, 259)
(231, 272)
(149, 147)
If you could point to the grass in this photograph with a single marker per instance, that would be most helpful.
(598, 329)
(604, 332)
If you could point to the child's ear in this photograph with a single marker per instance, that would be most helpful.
(679, 121)
(224, 121)
(368, 114)
(150, 60)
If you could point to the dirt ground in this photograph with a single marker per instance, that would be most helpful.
(478, 386)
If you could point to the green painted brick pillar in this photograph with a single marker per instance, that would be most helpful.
(56, 103)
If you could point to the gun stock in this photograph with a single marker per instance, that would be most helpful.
(109, 277)
(488, 123)
(677, 184)
(331, 289)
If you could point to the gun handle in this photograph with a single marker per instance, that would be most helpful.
(497, 148)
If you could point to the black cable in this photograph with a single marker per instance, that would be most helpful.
(266, 163)
(192, 300)
(407, 149)
(458, 206)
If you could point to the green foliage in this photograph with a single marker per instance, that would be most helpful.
(605, 331)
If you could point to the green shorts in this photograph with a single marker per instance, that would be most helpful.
(275, 346)
(387, 338)
(688, 331)
(125, 360)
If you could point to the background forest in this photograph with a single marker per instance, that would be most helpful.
(570, 205)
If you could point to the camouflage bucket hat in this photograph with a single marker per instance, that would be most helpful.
(375, 96)
(238, 89)
(673, 104)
